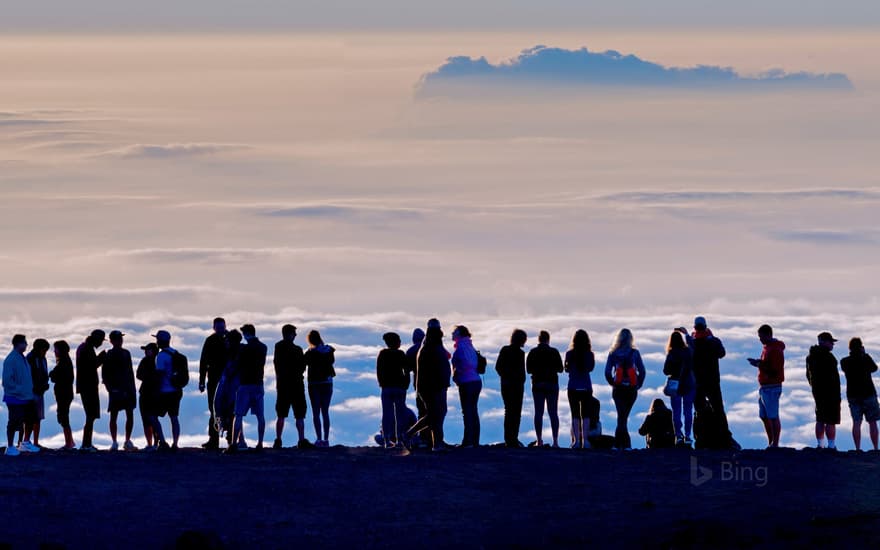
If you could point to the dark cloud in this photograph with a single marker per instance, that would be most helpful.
(85, 293)
(172, 150)
(678, 197)
(377, 213)
(825, 237)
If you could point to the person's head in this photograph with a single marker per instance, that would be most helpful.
(580, 341)
(163, 339)
(657, 406)
(19, 343)
(855, 346)
(765, 333)
(543, 337)
(248, 331)
(41, 347)
(61, 348)
(518, 338)
(150, 350)
(700, 323)
(826, 340)
(315, 339)
(433, 323)
(623, 341)
(434, 335)
(676, 341)
(96, 338)
(116, 338)
(234, 337)
(418, 336)
(392, 340)
(219, 326)
(288, 332)
(459, 332)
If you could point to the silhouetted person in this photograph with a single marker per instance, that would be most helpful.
(511, 368)
(465, 375)
(224, 399)
(412, 353)
(824, 382)
(40, 375)
(319, 359)
(579, 363)
(18, 394)
(544, 363)
(169, 395)
(625, 372)
(118, 377)
(707, 351)
(657, 427)
(87, 364)
(860, 391)
(771, 375)
(290, 368)
(249, 398)
(393, 376)
(679, 366)
(211, 364)
(149, 392)
(62, 377)
(433, 374)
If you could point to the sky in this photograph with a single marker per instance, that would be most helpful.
(156, 179)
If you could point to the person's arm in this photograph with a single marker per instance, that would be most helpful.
(379, 367)
(530, 362)
(609, 363)
(591, 362)
(872, 366)
(204, 362)
(499, 363)
(809, 372)
(557, 357)
(668, 366)
(645, 429)
(640, 367)
(720, 352)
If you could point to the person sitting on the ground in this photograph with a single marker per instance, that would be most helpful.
(657, 428)
(18, 394)
(319, 359)
(825, 383)
(118, 376)
(679, 367)
(149, 392)
(40, 375)
(393, 378)
(406, 420)
(544, 363)
(860, 391)
(62, 377)
(771, 375)
(579, 363)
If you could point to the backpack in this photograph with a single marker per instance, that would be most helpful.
(481, 363)
(625, 373)
(179, 370)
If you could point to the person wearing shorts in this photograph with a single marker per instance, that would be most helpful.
(87, 364)
(168, 397)
(824, 381)
(249, 397)
(118, 376)
(771, 374)
(290, 389)
(860, 391)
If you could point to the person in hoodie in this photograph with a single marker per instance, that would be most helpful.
(625, 372)
(87, 364)
(824, 381)
(511, 369)
(18, 394)
(62, 377)
(657, 427)
(860, 391)
(707, 349)
(771, 375)
(433, 374)
(679, 367)
(466, 377)
(40, 375)
(250, 394)
(319, 360)
(579, 363)
(392, 374)
(544, 363)
(412, 354)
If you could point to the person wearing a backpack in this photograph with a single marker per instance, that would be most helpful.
(579, 363)
(249, 397)
(169, 394)
(393, 377)
(118, 377)
(87, 364)
(465, 363)
(40, 375)
(319, 359)
(679, 367)
(511, 368)
(544, 363)
(625, 372)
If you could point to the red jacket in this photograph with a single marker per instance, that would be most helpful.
(771, 370)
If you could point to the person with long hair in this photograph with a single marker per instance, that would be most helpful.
(679, 366)
(62, 376)
(511, 369)
(657, 427)
(319, 359)
(579, 363)
(433, 374)
(625, 372)
(465, 375)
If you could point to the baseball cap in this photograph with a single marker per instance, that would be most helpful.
(116, 334)
(162, 335)
(151, 346)
(826, 337)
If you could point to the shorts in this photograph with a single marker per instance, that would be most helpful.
(828, 411)
(580, 403)
(91, 404)
(63, 409)
(168, 403)
(38, 410)
(294, 398)
(121, 400)
(249, 398)
(148, 404)
(768, 401)
(868, 408)
(17, 415)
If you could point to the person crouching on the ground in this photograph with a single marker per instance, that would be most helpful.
(149, 392)
(118, 376)
(511, 369)
(465, 375)
(62, 377)
(625, 372)
(771, 375)
(579, 363)
(40, 375)
(18, 394)
(860, 391)
(544, 363)
(393, 378)
(169, 396)
(657, 427)
(87, 363)
(679, 367)
(290, 368)
(319, 360)
(824, 380)
(249, 398)
(432, 378)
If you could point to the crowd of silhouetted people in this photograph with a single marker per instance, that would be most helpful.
(232, 374)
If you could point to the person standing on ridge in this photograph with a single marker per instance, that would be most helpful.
(433, 374)
(169, 396)
(467, 378)
(118, 377)
(392, 375)
(87, 364)
(290, 368)
(679, 366)
(40, 375)
(579, 363)
(18, 394)
(212, 361)
(707, 350)
(412, 354)
(625, 372)
(249, 397)
(544, 363)
(319, 360)
(771, 375)
(511, 369)
(149, 393)
(62, 377)
(824, 382)
(860, 391)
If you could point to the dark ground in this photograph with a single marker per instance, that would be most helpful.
(487, 497)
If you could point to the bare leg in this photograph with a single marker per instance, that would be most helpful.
(857, 435)
(768, 427)
(261, 429)
(539, 420)
(175, 430)
(301, 428)
(279, 427)
(872, 427)
(129, 424)
(37, 433)
(114, 415)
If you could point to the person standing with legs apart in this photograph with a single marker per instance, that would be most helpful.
(412, 354)
(319, 360)
(149, 393)
(466, 376)
(62, 377)
(771, 375)
(432, 376)
(40, 375)
(579, 363)
(18, 394)
(290, 368)
(511, 368)
(118, 377)
(393, 377)
(87, 364)
(824, 381)
(170, 391)
(212, 361)
(249, 398)
(625, 372)
(679, 367)
(860, 391)
(544, 363)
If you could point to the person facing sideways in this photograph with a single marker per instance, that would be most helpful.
(224, 399)
(466, 377)
(860, 391)
(579, 363)
(825, 382)
(290, 368)
(412, 353)
(168, 396)
(511, 369)
(62, 377)
(249, 397)
(657, 427)
(544, 363)
(87, 363)
(18, 394)
(433, 374)
(118, 377)
(771, 374)
(40, 375)
(393, 377)
(707, 351)
(149, 392)
(319, 359)
(625, 372)
(212, 361)
(679, 367)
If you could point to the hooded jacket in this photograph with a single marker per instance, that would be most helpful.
(18, 384)
(771, 369)
(432, 364)
(319, 361)
(619, 357)
(858, 368)
(822, 374)
(464, 362)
